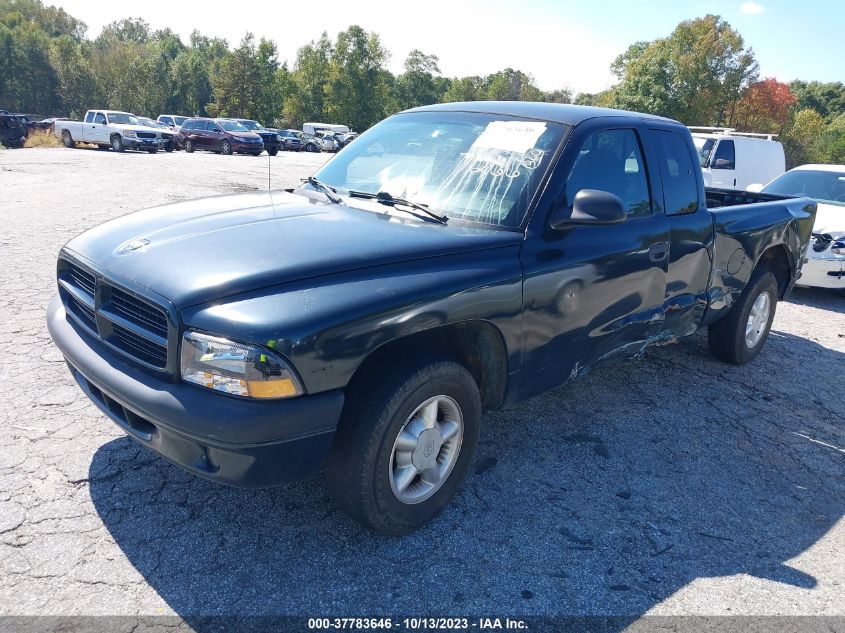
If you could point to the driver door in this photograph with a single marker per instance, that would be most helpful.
(594, 292)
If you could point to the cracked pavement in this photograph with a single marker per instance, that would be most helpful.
(670, 485)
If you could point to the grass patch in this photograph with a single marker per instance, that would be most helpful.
(42, 138)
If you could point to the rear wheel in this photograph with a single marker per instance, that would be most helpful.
(117, 143)
(189, 146)
(225, 147)
(404, 445)
(738, 337)
(67, 139)
(169, 147)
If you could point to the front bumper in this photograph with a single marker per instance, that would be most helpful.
(233, 441)
(142, 143)
(823, 273)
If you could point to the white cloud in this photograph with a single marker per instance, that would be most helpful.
(752, 7)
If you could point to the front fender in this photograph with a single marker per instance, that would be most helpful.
(329, 325)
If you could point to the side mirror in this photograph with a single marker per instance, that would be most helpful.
(755, 188)
(590, 206)
(723, 163)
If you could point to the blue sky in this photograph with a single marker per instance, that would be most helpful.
(562, 43)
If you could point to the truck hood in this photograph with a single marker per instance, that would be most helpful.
(135, 128)
(203, 250)
(830, 218)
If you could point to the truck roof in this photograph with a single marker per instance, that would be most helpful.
(565, 113)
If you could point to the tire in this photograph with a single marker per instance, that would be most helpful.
(310, 148)
(738, 337)
(117, 143)
(363, 467)
(273, 152)
(104, 147)
(189, 146)
(67, 139)
(152, 150)
(256, 153)
(225, 147)
(169, 147)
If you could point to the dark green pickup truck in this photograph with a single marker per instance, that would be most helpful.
(454, 258)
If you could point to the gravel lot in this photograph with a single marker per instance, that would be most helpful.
(669, 485)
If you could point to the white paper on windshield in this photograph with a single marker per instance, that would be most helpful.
(510, 136)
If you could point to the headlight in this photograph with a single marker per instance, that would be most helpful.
(838, 247)
(236, 368)
(130, 134)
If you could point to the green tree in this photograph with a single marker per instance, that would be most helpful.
(799, 141)
(306, 97)
(357, 92)
(828, 99)
(236, 84)
(73, 73)
(464, 89)
(696, 74)
(418, 85)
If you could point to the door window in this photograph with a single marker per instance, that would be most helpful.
(724, 157)
(100, 118)
(680, 185)
(612, 161)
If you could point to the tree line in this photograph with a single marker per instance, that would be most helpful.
(701, 74)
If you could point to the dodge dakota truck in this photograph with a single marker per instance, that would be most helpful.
(110, 129)
(454, 259)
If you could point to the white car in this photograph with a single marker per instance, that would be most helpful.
(734, 160)
(825, 265)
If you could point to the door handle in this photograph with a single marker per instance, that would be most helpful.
(658, 251)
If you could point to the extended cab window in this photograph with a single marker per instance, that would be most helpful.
(724, 156)
(89, 117)
(611, 160)
(680, 185)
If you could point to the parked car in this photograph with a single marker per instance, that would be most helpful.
(310, 143)
(168, 136)
(290, 140)
(173, 121)
(825, 265)
(13, 130)
(271, 138)
(328, 141)
(734, 160)
(110, 128)
(367, 318)
(219, 135)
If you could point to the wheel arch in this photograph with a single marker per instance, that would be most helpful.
(476, 344)
(777, 260)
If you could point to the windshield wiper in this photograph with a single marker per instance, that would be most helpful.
(330, 191)
(382, 197)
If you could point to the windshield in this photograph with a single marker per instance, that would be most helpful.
(823, 186)
(123, 119)
(465, 165)
(704, 146)
(180, 119)
(231, 126)
(252, 125)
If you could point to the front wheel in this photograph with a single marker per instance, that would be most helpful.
(152, 150)
(738, 337)
(189, 146)
(404, 445)
(117, 143)
(273, 152)
(169, 147)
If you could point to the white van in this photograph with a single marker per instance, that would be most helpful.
(313, 128)
(734, 160)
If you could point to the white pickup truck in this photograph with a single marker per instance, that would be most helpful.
(110, 128)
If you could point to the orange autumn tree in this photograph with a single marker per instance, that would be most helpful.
(765, 106)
